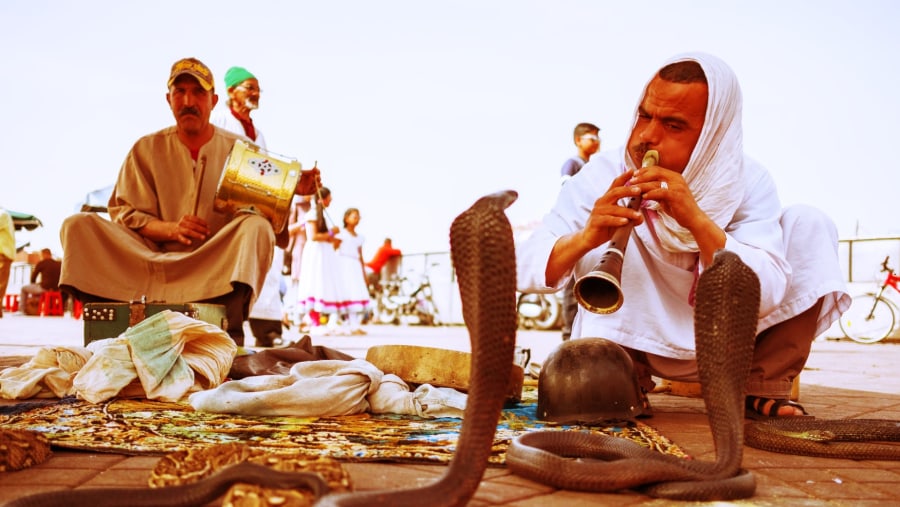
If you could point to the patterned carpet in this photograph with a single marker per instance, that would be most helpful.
(143, 427)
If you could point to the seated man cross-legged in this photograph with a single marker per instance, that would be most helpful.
(165, 242)
(704, 194)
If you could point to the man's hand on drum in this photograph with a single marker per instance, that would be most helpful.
(310, 181)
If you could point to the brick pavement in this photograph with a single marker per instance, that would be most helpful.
(842, 379)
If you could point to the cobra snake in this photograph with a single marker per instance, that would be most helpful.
(483, 254)
(725, 319)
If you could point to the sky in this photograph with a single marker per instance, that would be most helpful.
(412, 110)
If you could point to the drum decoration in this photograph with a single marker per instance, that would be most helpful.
(256, 181)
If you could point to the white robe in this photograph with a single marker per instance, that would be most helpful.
(223, 118)
(657, 316)
(796, 265)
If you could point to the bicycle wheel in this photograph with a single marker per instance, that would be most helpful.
(549, 318)
(868, 320)
(427, 311)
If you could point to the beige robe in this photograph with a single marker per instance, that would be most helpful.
(158, 179)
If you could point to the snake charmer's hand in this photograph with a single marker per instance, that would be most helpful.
(310, 181)
(675, 199)
(669, 189)
(608, 213)
(606, 216)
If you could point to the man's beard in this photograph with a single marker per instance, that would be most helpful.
(250, 104)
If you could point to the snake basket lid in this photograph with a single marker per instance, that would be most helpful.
(435, 366)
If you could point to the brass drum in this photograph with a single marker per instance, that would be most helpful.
(256, 181)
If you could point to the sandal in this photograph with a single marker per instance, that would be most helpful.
(755, 408)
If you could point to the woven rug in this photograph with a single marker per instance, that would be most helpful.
(143, 427)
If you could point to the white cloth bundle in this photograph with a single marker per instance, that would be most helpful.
(48, 374)
(329, 388)
(170, 354)
(164, 357)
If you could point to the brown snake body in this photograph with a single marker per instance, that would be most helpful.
(725, 318)
(827, 438)
(187, 495)
(483, 254)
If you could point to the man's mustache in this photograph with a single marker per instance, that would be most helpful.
(189, 110)
(640, 148)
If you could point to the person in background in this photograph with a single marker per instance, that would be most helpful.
(385, 253)
(267, 312)
(293, 256)
(318, 292)
(47, 270)
(353, 287)
(164, 241)
(7, 251)
(300, 206)
(586, 137)
(702, 195)
(243, 92)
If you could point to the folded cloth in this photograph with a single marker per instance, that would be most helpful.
(48, 374)
(393, 397)
(279, 361)
(107, 372)
(169, 353)
(169, 348)
(311, 388)
(328, 388)
(164, 357)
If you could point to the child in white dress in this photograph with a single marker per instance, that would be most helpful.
(354, 292)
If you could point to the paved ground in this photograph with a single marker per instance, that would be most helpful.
(842, 379)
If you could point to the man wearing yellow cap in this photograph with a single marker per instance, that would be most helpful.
(165, 241)
(243, 97)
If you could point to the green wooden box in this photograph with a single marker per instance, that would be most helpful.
(108, 320)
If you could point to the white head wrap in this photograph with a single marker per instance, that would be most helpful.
(717, 162)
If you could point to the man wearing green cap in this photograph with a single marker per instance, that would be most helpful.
(242, 87)
(165, 241)
(243, 97)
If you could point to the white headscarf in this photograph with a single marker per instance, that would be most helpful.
(717, 162)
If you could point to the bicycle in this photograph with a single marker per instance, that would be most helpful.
(539, 311)
(871, 316)
(395, 304)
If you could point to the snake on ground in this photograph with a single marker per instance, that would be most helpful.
(483, 254)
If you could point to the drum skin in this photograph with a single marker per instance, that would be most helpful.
(256, 181)
(438, 367)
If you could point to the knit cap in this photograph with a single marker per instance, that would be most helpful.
(237, 75)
